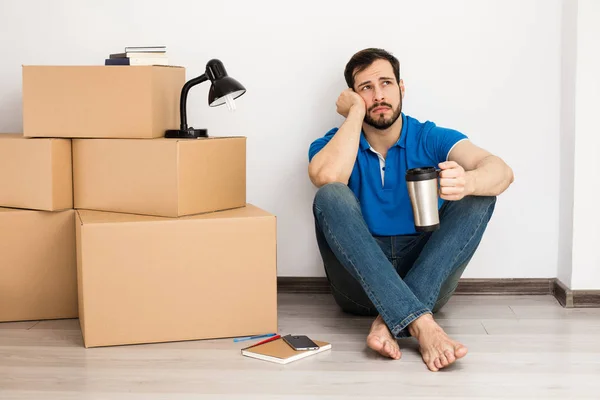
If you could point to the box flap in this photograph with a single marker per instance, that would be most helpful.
(11, 136)
(78, 217)
(201, 138)
(19, 136)
(102, 217)
(250, 211)
(7, 210)
(97, 66)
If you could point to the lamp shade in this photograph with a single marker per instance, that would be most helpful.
(223, 87)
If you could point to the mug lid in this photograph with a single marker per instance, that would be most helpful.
(421, 174)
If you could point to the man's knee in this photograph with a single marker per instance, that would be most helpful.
(483, 205)
(335, 195)
(479, 202)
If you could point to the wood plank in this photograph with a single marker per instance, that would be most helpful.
(519, 347)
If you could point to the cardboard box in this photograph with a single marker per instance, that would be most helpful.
(38, 272)
(146, 279)
(162, 177)
(35, 173)
(101, 101)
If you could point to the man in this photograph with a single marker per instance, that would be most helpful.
(375, 261)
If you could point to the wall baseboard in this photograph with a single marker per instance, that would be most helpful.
(575, 298)
(563, 294)
(518, 286)
(298, 284)
(515, 286)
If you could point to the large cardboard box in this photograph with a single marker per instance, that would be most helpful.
(101, 101)
(38, 272)
(35, 173)
(162, 177)
(144, 279)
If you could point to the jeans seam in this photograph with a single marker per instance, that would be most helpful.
(414, 244)
(447, 296)
(367, 288)
(408, 320)
(348, 298)
(465, 245)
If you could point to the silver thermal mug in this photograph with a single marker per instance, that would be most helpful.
(423, 191)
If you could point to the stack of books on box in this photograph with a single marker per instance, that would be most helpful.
(139, 55)
(145, 239)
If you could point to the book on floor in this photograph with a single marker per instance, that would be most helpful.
(278, 351)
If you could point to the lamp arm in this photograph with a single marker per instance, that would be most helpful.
(183, 98)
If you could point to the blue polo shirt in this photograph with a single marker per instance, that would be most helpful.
(385, 204)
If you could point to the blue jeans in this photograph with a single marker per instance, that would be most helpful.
(398, 277)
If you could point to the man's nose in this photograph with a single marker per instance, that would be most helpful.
(378, 93)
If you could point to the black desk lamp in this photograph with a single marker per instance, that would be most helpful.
(223, 90)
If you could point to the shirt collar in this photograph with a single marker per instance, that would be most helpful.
(364, 144)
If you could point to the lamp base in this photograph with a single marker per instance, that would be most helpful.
(190, 133)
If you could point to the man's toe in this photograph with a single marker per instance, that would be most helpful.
(460, 351)
(450, 356)
(443, 361)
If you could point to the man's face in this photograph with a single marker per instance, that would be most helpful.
(382, 94)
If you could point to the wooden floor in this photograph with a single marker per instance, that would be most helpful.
(519, 348)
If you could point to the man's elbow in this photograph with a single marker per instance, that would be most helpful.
(321, 177)
(508, 173)
(508, 179)
(511, 175)
(322, 180)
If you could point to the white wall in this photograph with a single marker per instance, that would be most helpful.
(578, 260)
(567, 139)
(488, 68)
(586, 233)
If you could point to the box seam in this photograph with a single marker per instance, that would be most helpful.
(72, 175)
(178, 172)
(52, 175)
(79, 238)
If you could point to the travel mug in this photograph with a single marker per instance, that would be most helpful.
(423, 191)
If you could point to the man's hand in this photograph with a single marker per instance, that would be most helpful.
(348, 99)
(453, 181)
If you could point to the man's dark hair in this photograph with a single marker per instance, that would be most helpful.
(361, 60)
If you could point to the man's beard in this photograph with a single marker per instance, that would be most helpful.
(380, 122)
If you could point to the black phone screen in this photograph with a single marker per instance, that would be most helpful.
(300, 342)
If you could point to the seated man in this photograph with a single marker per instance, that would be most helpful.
(376, 262)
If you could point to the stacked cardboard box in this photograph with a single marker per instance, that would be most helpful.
(37, 239)
(166, 247)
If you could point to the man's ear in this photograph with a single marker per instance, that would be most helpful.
(401, 84)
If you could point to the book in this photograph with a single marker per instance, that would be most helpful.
(278, 351)
(146, 49)
(151, 55)
(137, 61)
(132, 54)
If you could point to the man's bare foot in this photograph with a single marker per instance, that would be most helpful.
(381, 340)
(437, 349)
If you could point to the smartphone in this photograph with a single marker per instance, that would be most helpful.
(300, 342)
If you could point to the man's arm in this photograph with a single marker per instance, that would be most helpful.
(471, 170)
(335, 161)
